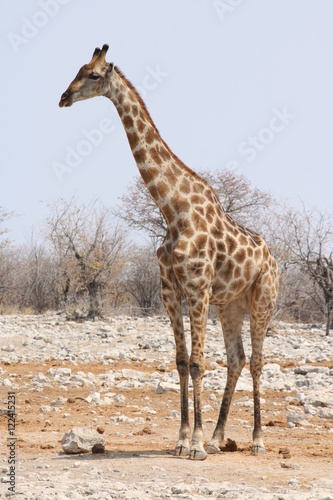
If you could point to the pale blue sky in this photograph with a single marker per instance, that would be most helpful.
(245, 84)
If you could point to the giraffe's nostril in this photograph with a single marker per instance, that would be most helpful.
(64, 95)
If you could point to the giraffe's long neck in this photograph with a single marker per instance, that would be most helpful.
(166, 177)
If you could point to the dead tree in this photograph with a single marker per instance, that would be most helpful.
(308, 240)
(91, 253)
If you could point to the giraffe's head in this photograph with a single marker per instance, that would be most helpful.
(93, 79)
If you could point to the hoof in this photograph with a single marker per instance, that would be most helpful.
(258, 450)
(211, 449)
(182, 451)
(198, 454)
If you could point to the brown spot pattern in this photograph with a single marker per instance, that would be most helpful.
(140, 125)
(140, 155)
(150, 135)
(231, 244)
(155, 156)
(128, 121)
(133, 139)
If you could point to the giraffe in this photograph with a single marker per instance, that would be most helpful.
(206, 258)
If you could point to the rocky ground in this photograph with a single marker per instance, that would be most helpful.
(118, 376)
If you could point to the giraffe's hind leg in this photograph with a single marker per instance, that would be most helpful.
(262, 305)
(231, 317)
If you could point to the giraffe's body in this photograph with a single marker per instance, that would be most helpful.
(206, 258)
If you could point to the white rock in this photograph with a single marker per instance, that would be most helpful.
(40, 377)
(81, 440)
(271, 370)
(133, 374)
(326, 413)
(317, 398)
(46, 409)
(243, 399)
(105, 401)
(59, 402)
(121, 418)
(293, 481)
(309, 410)
(94, 397)
(8, 348)
(207, 408)
(59, 371)
(120, 398)
(165, 387)
(296, 416)
(138, 421)
(180, 489)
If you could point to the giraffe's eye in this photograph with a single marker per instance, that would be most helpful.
(94, 76)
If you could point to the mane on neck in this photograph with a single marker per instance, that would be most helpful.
(146, 113)
(138, 96)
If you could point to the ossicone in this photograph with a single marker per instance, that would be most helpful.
(100, 53)
(97, 52)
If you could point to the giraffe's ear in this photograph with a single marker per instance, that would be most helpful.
(110, 67)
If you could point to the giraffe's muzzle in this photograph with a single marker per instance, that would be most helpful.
(65, 100)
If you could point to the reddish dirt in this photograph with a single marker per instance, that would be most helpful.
(39, 434)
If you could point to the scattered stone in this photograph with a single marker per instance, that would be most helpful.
(49, 339)
(165, 387)
(284, 452)
(45, 409)
(120, 398)
(293, 481)
(81, 440)
(98, 448)
(147, 430)
(100, 429)
(94, 397)
(180, 489)
(8, 348)
(326, 413)
(59, 402)
(296, 416)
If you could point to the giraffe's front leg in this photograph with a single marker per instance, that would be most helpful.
(173, 307)
(198, 309)
(172, 302)
(183, 443)
(197, 451)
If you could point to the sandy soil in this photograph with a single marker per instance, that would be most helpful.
(139, 454)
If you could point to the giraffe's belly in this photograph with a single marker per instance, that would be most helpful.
(232, 281)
